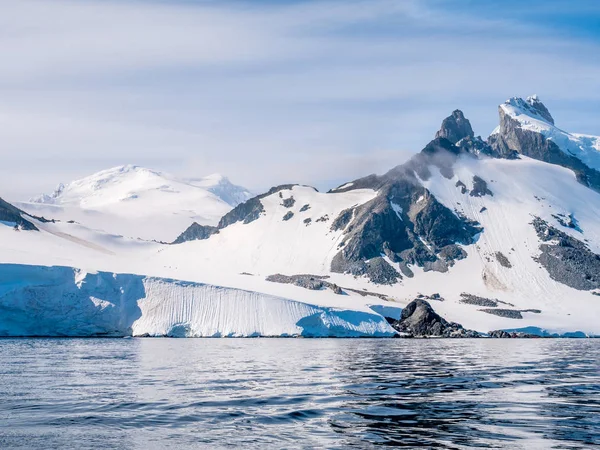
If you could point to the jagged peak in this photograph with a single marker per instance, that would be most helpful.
(532, 106)
(455, 127)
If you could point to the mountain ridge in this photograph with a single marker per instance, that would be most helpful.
(495, 234)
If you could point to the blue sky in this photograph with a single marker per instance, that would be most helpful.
(271, 92)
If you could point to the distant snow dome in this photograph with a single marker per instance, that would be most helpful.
(139, 202)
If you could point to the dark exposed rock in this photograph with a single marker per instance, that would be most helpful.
(305, 208)
(451, 253)
(437, 297)
(288, 215)
(471, 299)
(418, 319)
(380, 272)
(246, 212)
(480, 188)
(312, 282)
(502, 312)
(567, 260)
(12, 214)
(568, 221)
(336, 289)
(455, 127)
(462, 186)
(324, 218)
(342, 220)
(483, 209)
(307, 221)
(376, 269)
(196, 232)
(475, 146)
(288, 202)
(501, 334)
(503, 260)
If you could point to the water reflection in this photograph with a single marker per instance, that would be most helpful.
(290, 393)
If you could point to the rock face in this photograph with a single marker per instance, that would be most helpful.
(11, 214)
(405, 222)
(196, 232)
(512, 137)
(480, 188)
(501, 334)
(419, 319)
(567, 260)
(306, 281)
(455, 127)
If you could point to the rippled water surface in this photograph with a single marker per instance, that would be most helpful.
(298, 393)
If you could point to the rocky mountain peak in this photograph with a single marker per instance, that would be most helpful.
(532, 106)
(455, 127)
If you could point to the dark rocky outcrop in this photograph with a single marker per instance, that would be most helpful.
(306, 281)
(455, 127)
(342, 220)
(501, 334)
(288, 202)
(436, 296)
(480, 188)
(503, 312)
(568, 221)
(196, 232)
(462, 186)
(305, 208)
(567, 260)
(12, 214)
(380, 272)
(471, 299)
(503, 260)
(287, 216)
(418, 319)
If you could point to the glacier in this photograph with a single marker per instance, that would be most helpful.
(66, 301)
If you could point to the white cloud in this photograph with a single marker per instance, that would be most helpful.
(266, 93)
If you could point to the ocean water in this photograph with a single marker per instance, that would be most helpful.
(299, 393)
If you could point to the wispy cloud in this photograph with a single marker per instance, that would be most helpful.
(266, 92)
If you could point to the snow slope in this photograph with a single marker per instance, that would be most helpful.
(584, 147)
(138, 202)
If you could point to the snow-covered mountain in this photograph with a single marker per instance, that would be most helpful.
(496, 234)
(139, 202)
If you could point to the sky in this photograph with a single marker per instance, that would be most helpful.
(270, 92)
